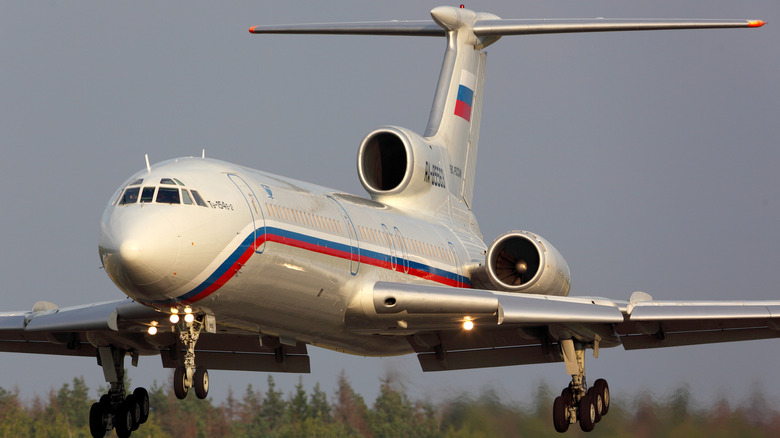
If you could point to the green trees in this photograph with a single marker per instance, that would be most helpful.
(297, 412)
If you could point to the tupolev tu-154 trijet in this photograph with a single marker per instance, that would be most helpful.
(230, 268)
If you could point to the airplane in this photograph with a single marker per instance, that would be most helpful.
(227, 267)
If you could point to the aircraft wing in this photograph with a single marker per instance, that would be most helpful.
(77, 330)
(516, 328)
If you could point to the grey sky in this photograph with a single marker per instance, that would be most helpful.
(649, 159)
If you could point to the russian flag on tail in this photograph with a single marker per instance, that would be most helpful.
(465, 95)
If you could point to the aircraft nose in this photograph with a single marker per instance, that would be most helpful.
(147, 261)
(140, 252)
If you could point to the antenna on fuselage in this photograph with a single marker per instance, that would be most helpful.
(203, 154)
(148, 167)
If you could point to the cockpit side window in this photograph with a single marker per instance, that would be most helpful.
(198, 199)
(118, 197)
(148, 194)
(168, 195)
(130, 196)
(185, 197)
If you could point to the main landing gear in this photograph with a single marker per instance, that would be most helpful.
(117, 409)
(188, 376)
(126, 412)
(577, 402)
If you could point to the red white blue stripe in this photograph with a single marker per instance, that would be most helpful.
(246, 250)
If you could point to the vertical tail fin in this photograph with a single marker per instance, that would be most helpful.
(457, 105)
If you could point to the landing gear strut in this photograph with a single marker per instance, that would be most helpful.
(117, 409)
(577, 402)
(188, 376)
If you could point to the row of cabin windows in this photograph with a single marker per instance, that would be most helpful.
(305, 218)
(411, 245)
(165, 195)
(331, 225)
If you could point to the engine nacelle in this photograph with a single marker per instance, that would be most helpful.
(520, 261)
(393, 160)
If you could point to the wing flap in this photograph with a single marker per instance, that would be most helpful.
(243, 361)
(485, 358)
(241, 353)
(42, 346)
(678, 339)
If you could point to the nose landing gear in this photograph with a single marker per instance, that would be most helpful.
(189, 376)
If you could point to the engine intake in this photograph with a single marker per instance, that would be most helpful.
(385, 161)
(520, 261)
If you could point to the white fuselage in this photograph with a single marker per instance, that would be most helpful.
(272, 255)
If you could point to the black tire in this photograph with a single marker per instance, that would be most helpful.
(179, 386)
(201, 383)
(601, 387)
(142, 398)
(560, 421)
(97, 424)
(568, 396)
(587, 414)
(123, 421)
(597, 400)
(132, 406)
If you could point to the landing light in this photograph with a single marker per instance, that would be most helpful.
(152, 330)
(187, 310)
(174, 318)
(189, 317)
(468, 324)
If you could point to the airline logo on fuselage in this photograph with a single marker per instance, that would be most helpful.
(465, 95)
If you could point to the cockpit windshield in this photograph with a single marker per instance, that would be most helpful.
(130, 196)
(168, 195)
(147, 194)
(164, 195)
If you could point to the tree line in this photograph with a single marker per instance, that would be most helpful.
(300, 413)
